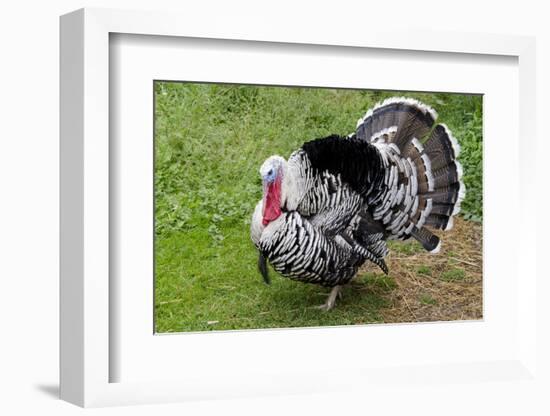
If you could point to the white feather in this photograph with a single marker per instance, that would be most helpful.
(378, 135)
(425, 212)
(409, 228)
(416, 143)
(274, 162)
(256, 226)
(409, 101)
(454, 142)
(429, 174)
(461, 196)
(437, 248)
(393, 100)
(459, 170)
(450, 224)
(394, 147)
(414, 180)
(272, 228)
(295, 182)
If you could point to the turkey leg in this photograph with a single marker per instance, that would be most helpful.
(331, 300)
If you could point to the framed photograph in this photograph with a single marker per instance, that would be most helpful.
(212, 142)
(360, 175)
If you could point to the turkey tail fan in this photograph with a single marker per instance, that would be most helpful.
(450, 174)
(441, 147)
(423, 182)
(396, 120)
(428, 240)
(446, 188)
(439, 185)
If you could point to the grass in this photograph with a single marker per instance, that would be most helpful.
(453, 274)
(427, 299)
(425, 270)
(209, 143)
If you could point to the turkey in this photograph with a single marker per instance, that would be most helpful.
(335, 202)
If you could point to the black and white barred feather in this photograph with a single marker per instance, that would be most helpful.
(299, 251)
(397, 176)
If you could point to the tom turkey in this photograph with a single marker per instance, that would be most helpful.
(333, 204)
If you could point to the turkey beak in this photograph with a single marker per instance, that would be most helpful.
(262, 267)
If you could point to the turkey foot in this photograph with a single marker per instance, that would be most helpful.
(331, 300)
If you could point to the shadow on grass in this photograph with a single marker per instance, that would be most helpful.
(293, 304)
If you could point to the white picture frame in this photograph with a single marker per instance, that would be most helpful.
(87, 356)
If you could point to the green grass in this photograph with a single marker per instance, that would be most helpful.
(209, 143)
(427, 299)
(406, 247)
(424, 270)
(453, 274)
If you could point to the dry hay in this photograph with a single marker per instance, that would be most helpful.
(437, 287)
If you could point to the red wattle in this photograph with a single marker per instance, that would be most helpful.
(272, 202)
